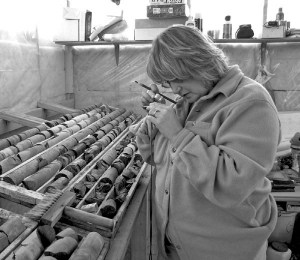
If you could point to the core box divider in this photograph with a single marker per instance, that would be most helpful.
(96, 221)
(89, 165)
(105, 226)
(93, 163)
(43, 188)
(29, 197)
(40, 190)
(82, 202)
(39, 154)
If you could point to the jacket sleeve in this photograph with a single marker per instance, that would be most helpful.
(243, 153)
(145, 149)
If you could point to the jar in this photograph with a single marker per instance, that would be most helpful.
(278, 251)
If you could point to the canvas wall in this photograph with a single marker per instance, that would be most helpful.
(97, 77)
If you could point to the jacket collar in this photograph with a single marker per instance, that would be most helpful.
(226, 86)
(228, 83)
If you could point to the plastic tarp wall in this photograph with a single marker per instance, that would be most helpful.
(285, 59)
(31, 65)
(29, 73)
(97, 77)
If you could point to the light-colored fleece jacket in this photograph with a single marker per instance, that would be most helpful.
(212, 198)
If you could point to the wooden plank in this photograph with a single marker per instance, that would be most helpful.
(120, 242)
(122, 210)
(52, 216)
(56, 107)
(15, 205)
(105, 226)
(20, 118)
(10, 128)
(20, 193)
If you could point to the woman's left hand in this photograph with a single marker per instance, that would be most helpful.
(165, 119)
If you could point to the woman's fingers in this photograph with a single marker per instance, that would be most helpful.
(154, 88)
(147, 97)
(151, 96)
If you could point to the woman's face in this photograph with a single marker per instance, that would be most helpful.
(189, 89)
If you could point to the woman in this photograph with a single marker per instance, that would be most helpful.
(212, 152)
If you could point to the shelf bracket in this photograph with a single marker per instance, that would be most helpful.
(117, 52)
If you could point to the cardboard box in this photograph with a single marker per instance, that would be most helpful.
(73, 26)
(159, 23)
(82, 26)
(71, 13)
(293, 206)
(274, 32)
(68, 30)
(147, 34)
(163, 2)
(167, 11)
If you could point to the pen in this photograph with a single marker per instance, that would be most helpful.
(146, 87)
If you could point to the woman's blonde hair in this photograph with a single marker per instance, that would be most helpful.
(181, 52)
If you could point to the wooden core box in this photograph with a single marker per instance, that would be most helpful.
(78, 155)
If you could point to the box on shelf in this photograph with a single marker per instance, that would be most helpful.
(163, 2)
(167, 11)
(71, 13)
(274, 32)
(74, 26)
(159, 23)
(147, 34)
(293, 206)
(68, 30)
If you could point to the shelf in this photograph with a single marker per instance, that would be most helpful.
(118, 43)
(266, 40)
(287, 196)
(115, 43)
(76, 43)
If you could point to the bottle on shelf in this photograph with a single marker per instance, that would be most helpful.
(190, 22)
(199, 21)
(227, 28)
(280, 15)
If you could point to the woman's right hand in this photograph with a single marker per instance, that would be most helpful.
(151, 96)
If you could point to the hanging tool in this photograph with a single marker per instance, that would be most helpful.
(146, 87)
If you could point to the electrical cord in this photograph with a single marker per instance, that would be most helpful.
(150, 196)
